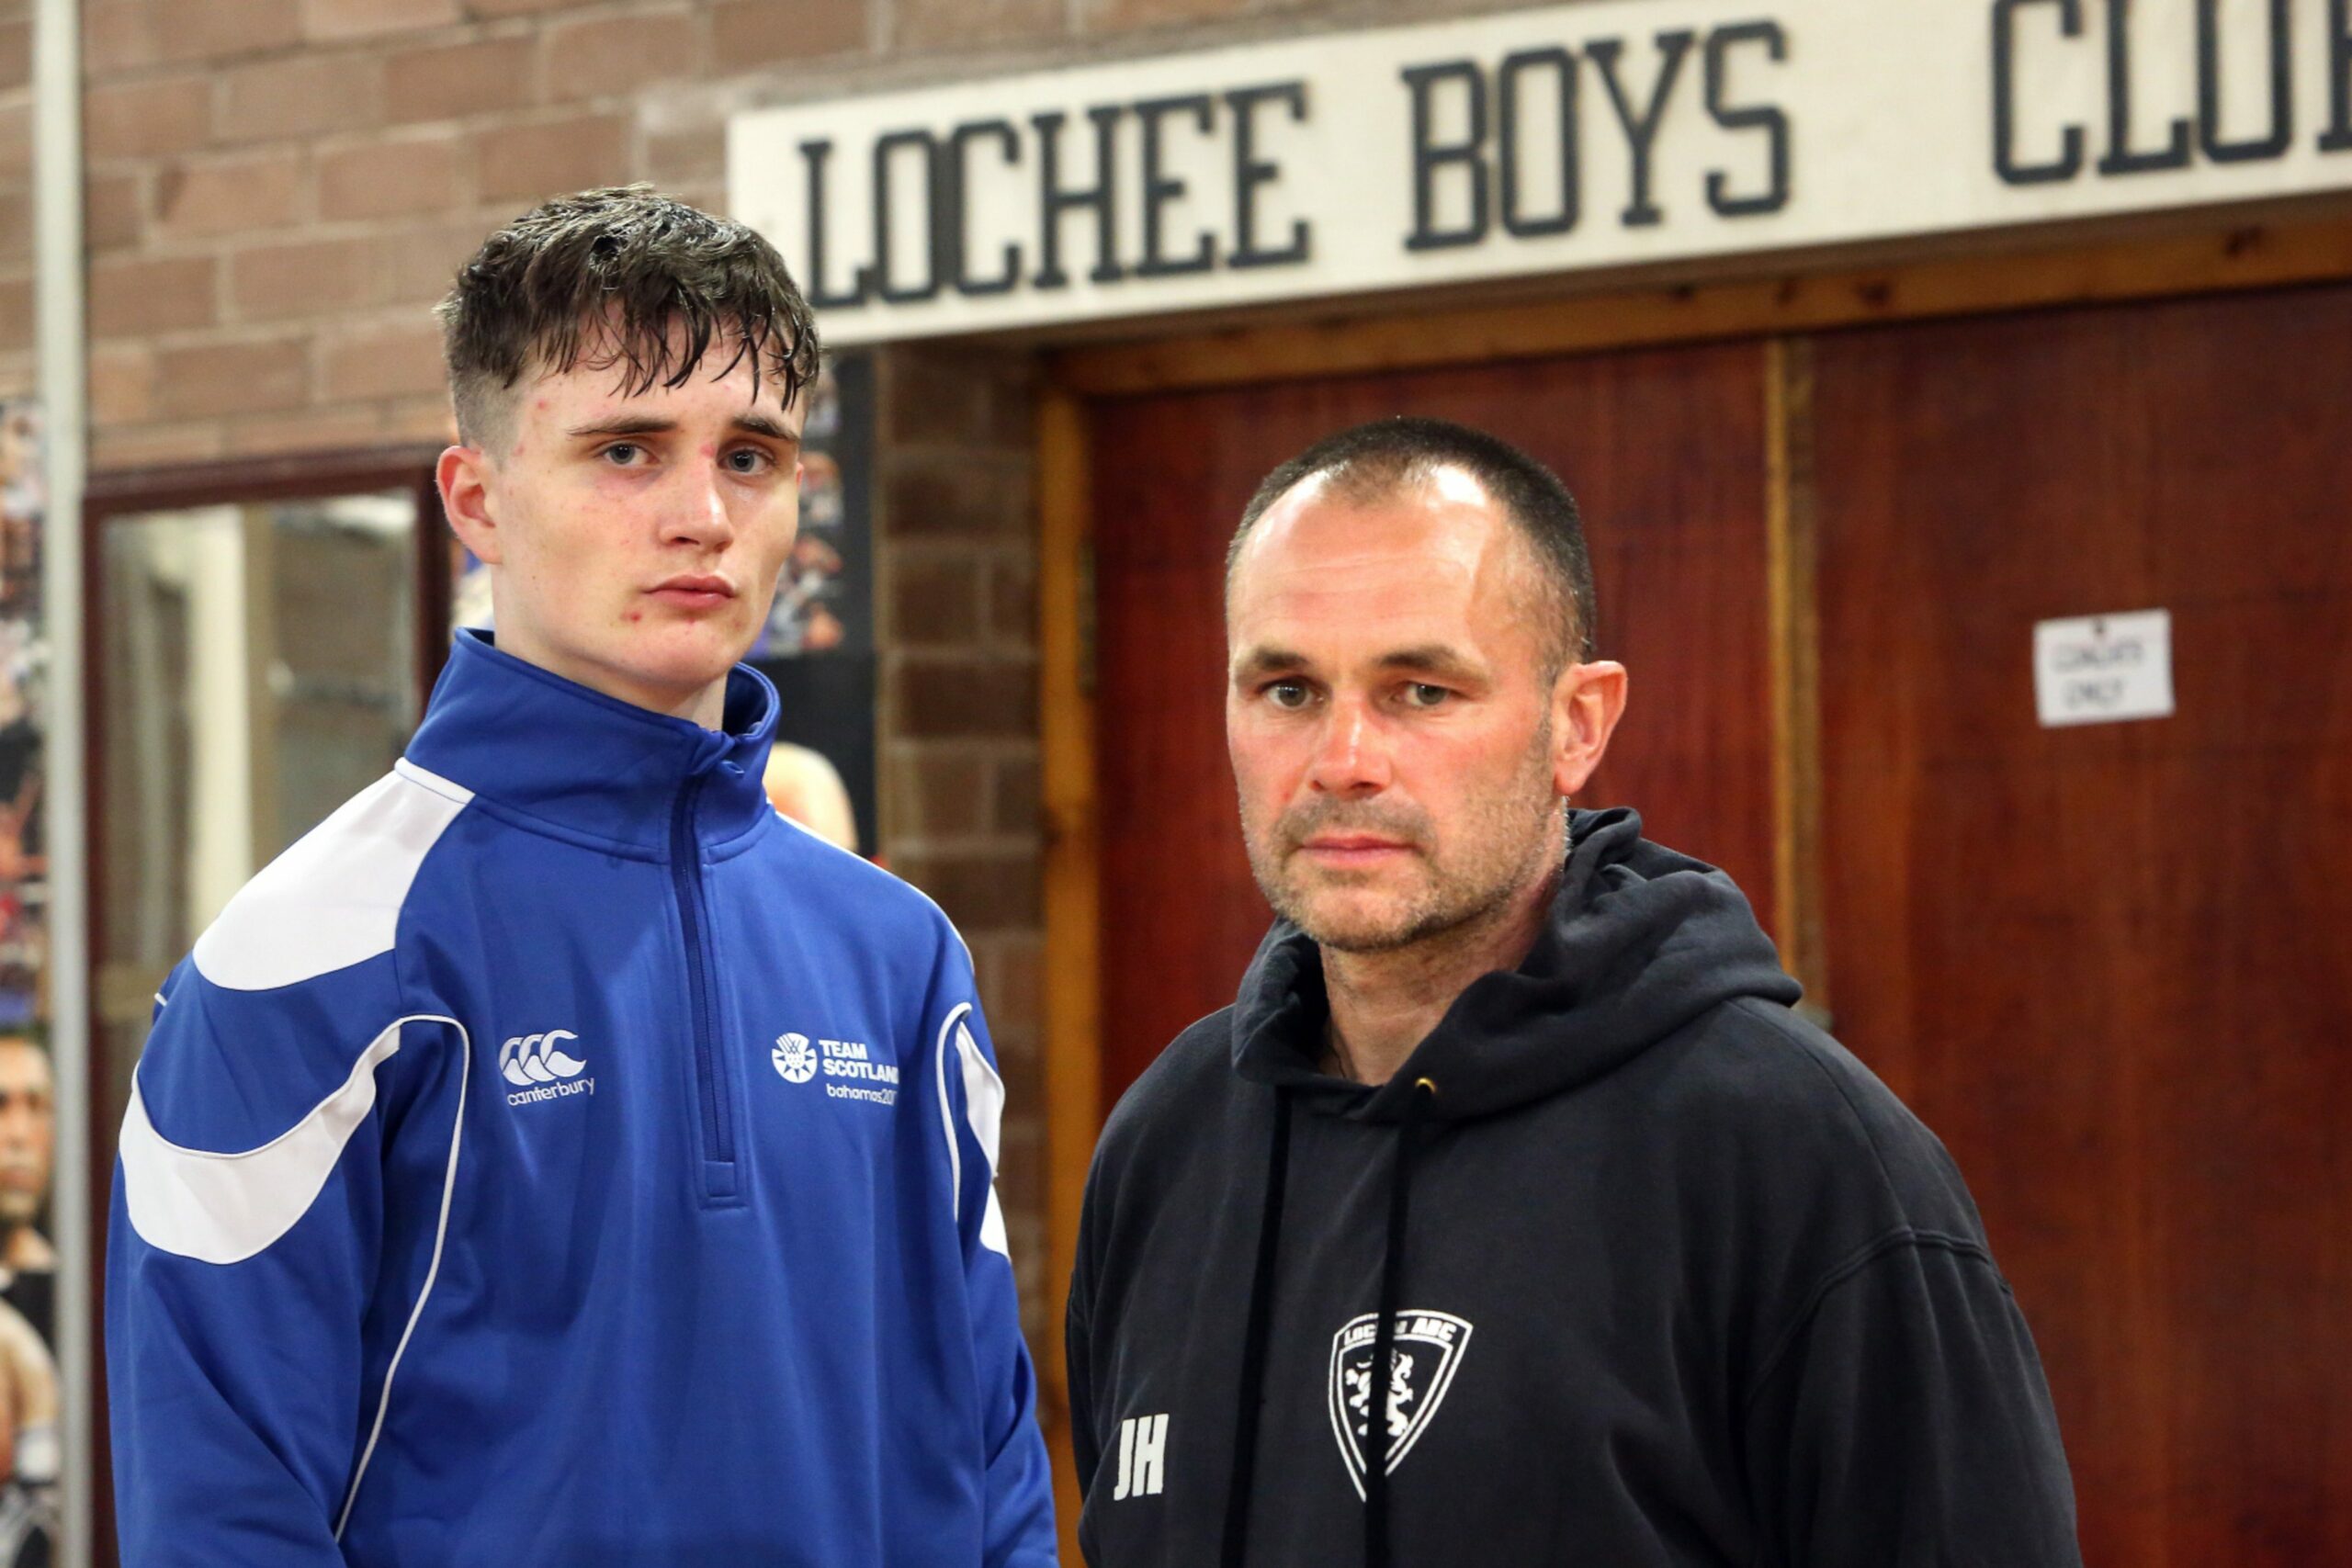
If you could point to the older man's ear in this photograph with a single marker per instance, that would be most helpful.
(1587, 702)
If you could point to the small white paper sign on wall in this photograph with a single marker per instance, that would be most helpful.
(2102, 669)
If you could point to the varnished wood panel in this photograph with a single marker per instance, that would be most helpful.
(2107, 964)
(1073, 924)
(2146, 256)
(1664, 451)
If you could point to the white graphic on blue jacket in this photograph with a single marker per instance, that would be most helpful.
(526, 1059)
(795, 1058)
(388, 1283)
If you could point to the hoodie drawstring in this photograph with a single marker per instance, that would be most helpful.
(1384, 1342)
(1253, 1347)
(1384, 1345)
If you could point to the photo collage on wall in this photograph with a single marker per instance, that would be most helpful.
(818, 646)
(28, 1383)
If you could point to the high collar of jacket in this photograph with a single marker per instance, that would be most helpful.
(528, 739)
(1639, 941)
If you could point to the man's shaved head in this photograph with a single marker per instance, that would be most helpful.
(1388, 456)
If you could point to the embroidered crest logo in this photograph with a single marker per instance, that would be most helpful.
(1406, 1393)
(795, 1057)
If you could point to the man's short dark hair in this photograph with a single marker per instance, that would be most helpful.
(603, 278)
(1374, 461)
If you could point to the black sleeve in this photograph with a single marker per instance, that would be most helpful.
(1904, 1422)
(1078, 1357)
(1078, 1374)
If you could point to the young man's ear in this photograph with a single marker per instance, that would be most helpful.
(463, 474)
(1587, 702)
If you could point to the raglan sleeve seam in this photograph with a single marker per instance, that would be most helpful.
(1892, 1238)
(935, 1008)
(1901, 1240)
(1790, 1041)
(412, 1002)
(446, 844)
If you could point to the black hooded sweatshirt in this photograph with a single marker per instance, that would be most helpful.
(1670, 1278)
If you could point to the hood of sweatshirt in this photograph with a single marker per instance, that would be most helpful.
(1638, 942)
(1659, 1274)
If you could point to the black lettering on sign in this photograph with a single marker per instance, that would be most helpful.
(2208, 89)
(1747, 117)
(1252, 173)
(823, 294)
(1641, 125)
(1563, 66)
(1159, 190)
(956, 215)
(2101, 655)
(2120, 159)
(2006, 162)
(1432, 158)
(2339, 77)
(1056, 200)
(887, 149)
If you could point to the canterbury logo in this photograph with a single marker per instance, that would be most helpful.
(527, 1059)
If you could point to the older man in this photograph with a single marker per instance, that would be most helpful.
(1510, 1216)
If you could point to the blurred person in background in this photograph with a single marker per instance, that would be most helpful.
(554, 1158)
(1510, 1216)
(28, 1395)
(29, 1456)
(28, 1158)
(806, 788)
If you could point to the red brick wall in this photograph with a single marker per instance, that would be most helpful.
(957, 628)
(279, 189)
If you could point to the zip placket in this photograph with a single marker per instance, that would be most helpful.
(719, 1185)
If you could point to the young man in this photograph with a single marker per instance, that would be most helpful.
(1510, 1216)
(556, 1158)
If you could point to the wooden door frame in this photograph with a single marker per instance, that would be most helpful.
(109, 494)
(2308, 244)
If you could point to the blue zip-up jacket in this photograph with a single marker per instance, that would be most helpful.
(557, 1158)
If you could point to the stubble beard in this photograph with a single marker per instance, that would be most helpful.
(1504, 845)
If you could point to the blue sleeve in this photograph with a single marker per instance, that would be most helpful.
(244, 1250)
(1019, 1490)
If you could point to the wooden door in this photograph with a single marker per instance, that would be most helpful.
(1664, 450)
(2108, 964)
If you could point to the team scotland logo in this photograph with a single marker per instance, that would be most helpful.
(1404, 1395)
(795, 1057)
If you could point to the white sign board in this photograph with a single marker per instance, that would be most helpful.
(2100, 669)
(1549, 141)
